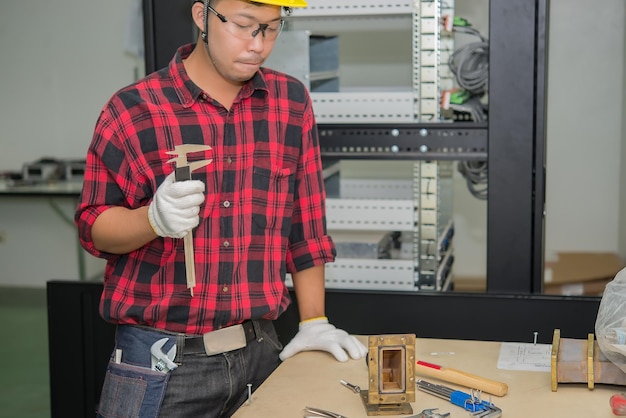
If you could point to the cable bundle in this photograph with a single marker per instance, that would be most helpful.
(475, 174)
(470, 63)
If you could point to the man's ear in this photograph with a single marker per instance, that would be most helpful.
(197, 14)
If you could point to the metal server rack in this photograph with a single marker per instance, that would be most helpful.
(424, 213)
(518, 31)
(431, 47)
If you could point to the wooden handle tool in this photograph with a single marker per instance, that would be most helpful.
(471, 381)
(183, 172)
(190, 262)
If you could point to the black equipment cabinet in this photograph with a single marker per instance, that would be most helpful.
(79, 345)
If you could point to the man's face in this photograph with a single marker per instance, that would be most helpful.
(235, 53)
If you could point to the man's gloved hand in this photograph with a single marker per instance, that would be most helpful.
(318, 334)
(175, 207)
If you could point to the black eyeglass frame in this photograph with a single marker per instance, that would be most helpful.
(262, 26)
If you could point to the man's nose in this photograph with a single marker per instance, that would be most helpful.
(257, 43)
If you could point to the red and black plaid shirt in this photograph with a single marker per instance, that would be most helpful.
(264, 213)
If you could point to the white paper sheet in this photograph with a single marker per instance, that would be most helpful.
(524, 356)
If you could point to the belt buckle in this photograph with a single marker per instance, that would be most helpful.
(224, 340)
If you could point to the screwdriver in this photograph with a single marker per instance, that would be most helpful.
(618, 404)
(350, 386)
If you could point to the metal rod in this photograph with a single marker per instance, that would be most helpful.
(443, 392)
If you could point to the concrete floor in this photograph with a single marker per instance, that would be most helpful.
(24, 375)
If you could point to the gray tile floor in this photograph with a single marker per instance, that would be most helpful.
(24, 376)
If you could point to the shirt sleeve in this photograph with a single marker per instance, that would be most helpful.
(110, 179)
(310, 245)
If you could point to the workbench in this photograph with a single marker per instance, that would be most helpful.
(311, 379)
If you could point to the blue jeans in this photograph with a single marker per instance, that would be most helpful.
(201, 386)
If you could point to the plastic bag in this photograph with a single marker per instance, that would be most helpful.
(611, 321)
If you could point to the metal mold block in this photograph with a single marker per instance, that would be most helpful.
(391, 364)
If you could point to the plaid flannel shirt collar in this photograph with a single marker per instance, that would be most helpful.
(189, 93)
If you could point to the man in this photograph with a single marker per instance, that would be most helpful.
(254, 206)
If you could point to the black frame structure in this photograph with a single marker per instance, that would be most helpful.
(513, 142)
(518, 50)
(166, 26)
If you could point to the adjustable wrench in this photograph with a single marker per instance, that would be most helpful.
(430, 413)
(161, 361)
(183, 172)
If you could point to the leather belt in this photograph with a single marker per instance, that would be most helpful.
(202, 343)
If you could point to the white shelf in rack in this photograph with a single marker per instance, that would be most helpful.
(364, 107)
(365, 274)
(353, 7)
(336, 24)
(370, 214)
(355, 188)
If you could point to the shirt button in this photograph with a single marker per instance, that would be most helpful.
(229, 160)
(205, 97)
(226, 244)
(225, 289)
(226, 204)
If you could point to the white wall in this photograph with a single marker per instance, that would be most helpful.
(61, 60)
(40, 243)
(58, 70)
(585, 126)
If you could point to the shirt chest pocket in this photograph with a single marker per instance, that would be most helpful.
(272, 199)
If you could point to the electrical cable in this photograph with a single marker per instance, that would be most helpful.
(475, 173)
(470, 66)
(470, 63)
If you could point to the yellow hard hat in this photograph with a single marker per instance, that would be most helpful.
(283, 3)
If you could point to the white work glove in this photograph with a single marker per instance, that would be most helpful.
(175, 207)
(318, 334)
